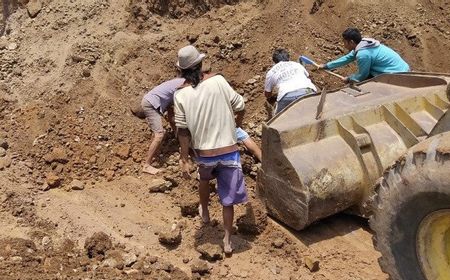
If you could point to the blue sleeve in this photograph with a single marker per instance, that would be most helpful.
(342, 61)
(364, 64)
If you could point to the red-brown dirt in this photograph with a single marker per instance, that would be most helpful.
(69, 71)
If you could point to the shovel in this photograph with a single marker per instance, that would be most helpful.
(307, 61)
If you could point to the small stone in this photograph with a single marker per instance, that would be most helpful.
(12, 46)
(129, 259)
(123, 151)
(110, 262)
(77, 185)
(128, 235)
(164, 265)
(170, 238)
(2, 152)
(160, 185)
(131, 271)
(251, 81)
(201, 267)
(34, 7)
(278, 243)
(312, 265)
(5, 162)
(186, 260)
(53, 181)
(210, 252)
(151, 259)
(109, 174)
(4, 144)
(56, 155)
(86, 73)
(16, 259)
(46, 241)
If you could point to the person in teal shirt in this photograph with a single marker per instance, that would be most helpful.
(373, 58)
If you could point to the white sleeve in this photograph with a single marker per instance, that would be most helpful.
(269, 83)
(304, 70)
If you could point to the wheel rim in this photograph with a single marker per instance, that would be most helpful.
(433, 245)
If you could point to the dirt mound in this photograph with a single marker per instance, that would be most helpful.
(141, 9)
(97, 244)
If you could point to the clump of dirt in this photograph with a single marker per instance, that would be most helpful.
(316, 6)
(98, 244)
(254, 221)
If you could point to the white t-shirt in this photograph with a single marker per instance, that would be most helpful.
(208, 112)
(287, 76)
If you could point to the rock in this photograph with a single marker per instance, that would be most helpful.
(98, 244)
(251, 81)
(164, 266)
(189, 208)
(131, 271)
(109, 174)
(4, 144)
(46, 241)
(210, 252)
(129, 259)
(110, 262)
(53, 181)
(278, 243)
(77, 185)
(5, 162)
(199, 266)
(123, 151)
(151, 259)
(57, 155)
(2, 152)
(16, 259)
(128, 235)
(170, 238)
(12, 46)
(312, 265)
(86, 73)
(114, 259)
(34, 7)
(160, 185)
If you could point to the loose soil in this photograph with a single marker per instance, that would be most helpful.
(74, 203)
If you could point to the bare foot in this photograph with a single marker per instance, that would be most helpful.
(204, 216)
(227, 247)
(147, 168)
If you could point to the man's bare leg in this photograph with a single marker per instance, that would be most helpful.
(228, 216)
(204, 191)
(253, 148)
(154, 147)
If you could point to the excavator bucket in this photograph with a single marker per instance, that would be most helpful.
(316, 164)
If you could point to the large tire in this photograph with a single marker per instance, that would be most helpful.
(413, 188)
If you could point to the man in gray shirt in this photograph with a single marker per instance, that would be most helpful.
(154, 104)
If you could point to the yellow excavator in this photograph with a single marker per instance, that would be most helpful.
(380, 150)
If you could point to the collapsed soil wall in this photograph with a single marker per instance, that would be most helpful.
(177, 8)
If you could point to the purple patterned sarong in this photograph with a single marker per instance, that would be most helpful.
(227, 169)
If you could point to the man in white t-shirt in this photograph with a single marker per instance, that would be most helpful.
(290, 79)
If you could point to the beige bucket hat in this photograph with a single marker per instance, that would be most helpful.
(189, 57)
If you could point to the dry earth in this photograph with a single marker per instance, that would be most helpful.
(71, 150)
